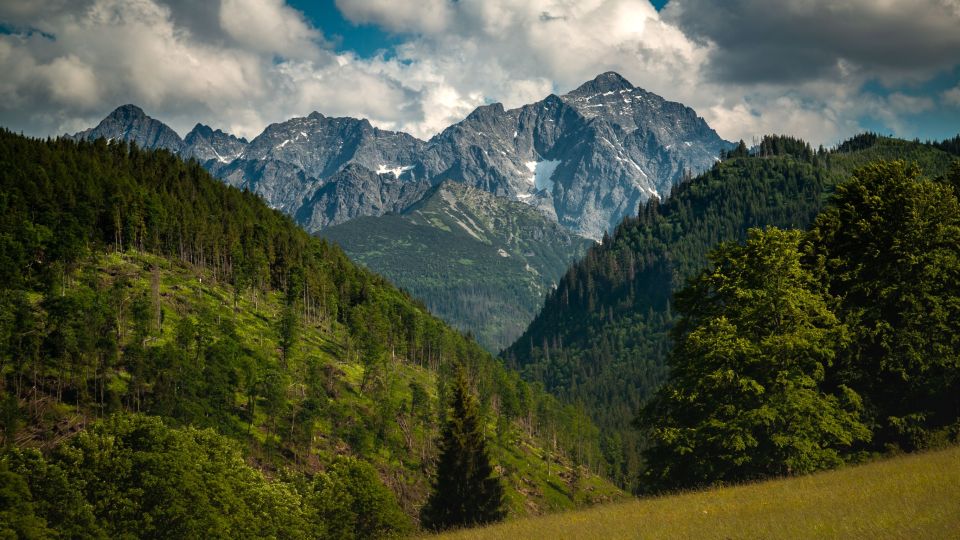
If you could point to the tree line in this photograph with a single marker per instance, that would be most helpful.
(799, 351)
(602, 337)
(133, 282)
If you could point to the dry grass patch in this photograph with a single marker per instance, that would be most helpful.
(915, 496)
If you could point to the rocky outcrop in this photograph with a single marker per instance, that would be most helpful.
(585, 159)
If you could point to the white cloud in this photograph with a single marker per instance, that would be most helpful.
(242, 64)
(420, 16)
(71, 81)
(269, 26)
(951, 97)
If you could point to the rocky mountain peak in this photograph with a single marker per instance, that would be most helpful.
(129, 123)
(205, 144)
(486, 111)
(128, 113)
(199, 130)
(610, 81)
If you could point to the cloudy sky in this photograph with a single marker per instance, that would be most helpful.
(820, 69)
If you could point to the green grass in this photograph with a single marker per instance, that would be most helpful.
(915, 496)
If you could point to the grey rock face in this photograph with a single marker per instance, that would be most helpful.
(355, 191)
(585, 159)
(322, 146)
(282, 185)
(129, 123)
(205, 144)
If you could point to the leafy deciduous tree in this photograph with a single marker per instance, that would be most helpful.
(744, 397)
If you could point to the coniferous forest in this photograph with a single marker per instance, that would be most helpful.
(603, 337)
(179, 360)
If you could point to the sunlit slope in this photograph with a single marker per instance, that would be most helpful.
(916, 496)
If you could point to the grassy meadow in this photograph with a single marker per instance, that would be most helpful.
(913, 496)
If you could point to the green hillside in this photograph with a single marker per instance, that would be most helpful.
(134, 284)
(480, 262)
(601, 338)
(904, 497)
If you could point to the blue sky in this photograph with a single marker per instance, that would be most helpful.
(368, 39)
(364, 39)
(819, 69)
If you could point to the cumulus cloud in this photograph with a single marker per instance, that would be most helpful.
(425, 16)
(762, 41)
(749, 67)
(951, 97)
(268, 26)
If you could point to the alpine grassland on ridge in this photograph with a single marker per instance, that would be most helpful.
(909, 496)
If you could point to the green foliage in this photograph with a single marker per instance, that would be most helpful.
(131, 476)
(602, 337)
(18, 514)
(59, 497)
(889, 249)
(744, 398)
(137, 283)
(352, 503)
(480, 262)
(149, 481)
(465, 492)
(778, 342)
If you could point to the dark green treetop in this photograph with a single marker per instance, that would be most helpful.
(889, 249)
(465, 492)
(744, 397)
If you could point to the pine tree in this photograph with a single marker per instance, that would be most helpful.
(465, 492)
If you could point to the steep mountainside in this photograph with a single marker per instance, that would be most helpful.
(601, 337)
(586, 159)
(205, 144)
(480, 262)
(353, 192)
(129, 123)
(133, 281)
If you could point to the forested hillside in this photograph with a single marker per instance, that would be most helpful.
(147, 309)
(482, 263)
(601, 339)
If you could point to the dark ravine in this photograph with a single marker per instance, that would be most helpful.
(586, 159)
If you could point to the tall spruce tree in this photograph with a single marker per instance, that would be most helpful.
(465, 492)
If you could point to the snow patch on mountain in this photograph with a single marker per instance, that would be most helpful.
(395, 171)
(542, 172)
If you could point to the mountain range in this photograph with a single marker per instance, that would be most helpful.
(585, 159)
(554, 172)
